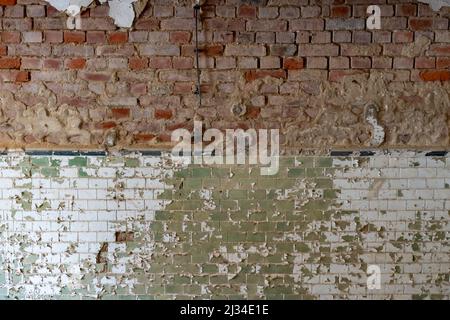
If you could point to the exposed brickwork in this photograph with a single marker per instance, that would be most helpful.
(245, 49)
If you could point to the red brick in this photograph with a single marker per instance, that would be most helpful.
(147, 24)
(8, 2)
(160, 63)
(442, 63)
(117, 37)
(31, 63)
(269, 62)
(182, 37)
(381, 62)
(420, 24)
(177, 24)
(214, 50)
(35, 11)
(259, 74)
(338, 75)
(267, 25)
(361, 62)
(435, 75)
(425, 63)
(317, 63)
(340, 11)
(144, 137)
(53, 36)
(246, 11)
(95, 76)
(22, 76)
(95, 37)
(119, 113)
(182, 88)
(293, 63)
(164, 138)
(76, 63)
(403, 63)
(339, 63)
(403, 36)
(182, 63)
(138, 89)
(106, 125)
(245, 50)
(406, 9)
(52, 63)
(253, 112)
(318, 50)
(3, 50)
(74, 36)
(163, 114)
(52, 11)
(10, 63)
(439, 50)
(10, 37)
(312, 24)
(136, 63)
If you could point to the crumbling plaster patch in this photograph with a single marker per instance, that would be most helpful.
(326, 114)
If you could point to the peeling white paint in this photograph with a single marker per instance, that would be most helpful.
(123, 12)
(436, 5)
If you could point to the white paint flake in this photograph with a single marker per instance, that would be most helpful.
(123, 12)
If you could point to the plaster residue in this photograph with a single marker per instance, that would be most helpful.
(122, 11)
(378, 134)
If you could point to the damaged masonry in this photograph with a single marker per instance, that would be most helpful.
(95, 205)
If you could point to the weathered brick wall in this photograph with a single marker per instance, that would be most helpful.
(151, 227)
(306, 67)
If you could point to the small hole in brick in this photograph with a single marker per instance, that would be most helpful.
(122, 236)
(238, 110)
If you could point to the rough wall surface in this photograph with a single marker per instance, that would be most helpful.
(306, 67)
(151, 227)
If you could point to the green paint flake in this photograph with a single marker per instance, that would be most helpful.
(40, 162)
(132, 162)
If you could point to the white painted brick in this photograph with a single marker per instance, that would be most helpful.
(434, 204)
(409, 173)
(82, 183)
(87, 236)
(107, 172)
(135, 183)
(87, 194)
(443, 172)
(96, 204)
(417, 184)
(435, 183)
(11, 173)
(5, 204)
(435, 162)
(427, 172)
(98, 183)
(68, 236)
(98, 226)
(68, 172)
